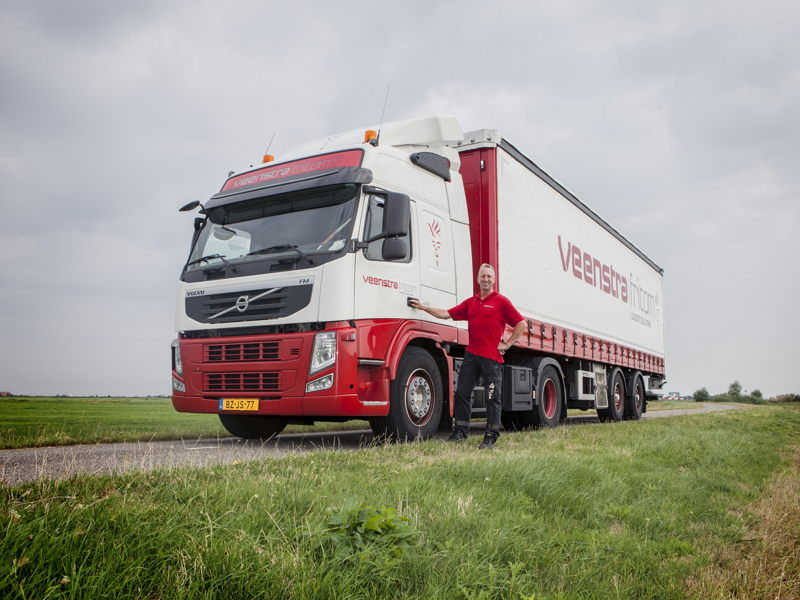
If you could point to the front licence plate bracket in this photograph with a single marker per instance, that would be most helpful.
(239, 404)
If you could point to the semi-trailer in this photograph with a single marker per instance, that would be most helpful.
(293, 303)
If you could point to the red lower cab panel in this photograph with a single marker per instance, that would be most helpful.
(274, 369)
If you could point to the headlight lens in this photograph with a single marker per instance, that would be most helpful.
(177, 385)
(323, 383)
(177, 364)
(324, 353)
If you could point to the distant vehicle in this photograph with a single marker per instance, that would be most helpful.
(673, 397)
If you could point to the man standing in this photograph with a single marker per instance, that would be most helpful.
(488, 313)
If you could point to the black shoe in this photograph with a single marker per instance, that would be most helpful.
(487, 443)
(457, 437)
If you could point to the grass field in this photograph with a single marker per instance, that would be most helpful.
(38, 422)
(690, 507)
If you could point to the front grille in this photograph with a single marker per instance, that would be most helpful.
(242, 382)
(242, 352)
(237, 306)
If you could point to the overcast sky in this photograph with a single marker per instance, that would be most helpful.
(679, 123)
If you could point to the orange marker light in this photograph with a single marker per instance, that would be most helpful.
(369, 135)
(267, 158)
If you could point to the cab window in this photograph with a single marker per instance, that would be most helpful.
(373, 226)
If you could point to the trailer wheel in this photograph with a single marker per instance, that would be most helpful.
(634, 404)
(616, 399)
(415, 401)
(253, 427)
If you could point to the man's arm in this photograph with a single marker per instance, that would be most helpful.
(519, 329)
(439, 313)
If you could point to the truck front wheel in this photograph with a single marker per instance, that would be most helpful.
(253, 427)
(416, 399)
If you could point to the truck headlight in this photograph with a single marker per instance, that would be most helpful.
(324, 352)
(177, 364)
(323, 383)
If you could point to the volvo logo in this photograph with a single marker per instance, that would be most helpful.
(243, 302)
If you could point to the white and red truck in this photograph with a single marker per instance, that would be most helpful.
(293, 304)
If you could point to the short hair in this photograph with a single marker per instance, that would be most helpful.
(487, 266)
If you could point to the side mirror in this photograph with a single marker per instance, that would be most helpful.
(191, 206)
(396, 215)
(393, 249)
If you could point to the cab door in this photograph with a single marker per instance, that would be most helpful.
(382, 287)
(437, 264)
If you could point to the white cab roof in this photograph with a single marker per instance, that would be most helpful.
(438, 129)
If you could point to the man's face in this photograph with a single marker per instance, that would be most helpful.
(486, 279)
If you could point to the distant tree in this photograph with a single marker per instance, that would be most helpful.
(702, 395)
(757, 394)
(735, 389)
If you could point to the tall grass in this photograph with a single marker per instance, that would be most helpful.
(38, 422)
(631, 510)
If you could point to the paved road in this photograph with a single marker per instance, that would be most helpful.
(18, 466)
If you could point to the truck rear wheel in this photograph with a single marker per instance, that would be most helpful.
(253, 427)
(416, 399)
(634, 404)
(616, 399)
(548, 391)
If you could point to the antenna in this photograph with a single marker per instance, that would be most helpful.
(383, 112)
(270, 143)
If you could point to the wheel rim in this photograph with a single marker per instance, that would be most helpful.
(618, 396)
(549, 400)
(419, 397)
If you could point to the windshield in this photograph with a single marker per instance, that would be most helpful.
(290, 226)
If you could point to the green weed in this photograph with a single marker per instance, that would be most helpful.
(628, 510)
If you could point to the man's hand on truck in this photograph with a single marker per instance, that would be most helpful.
(439, 313)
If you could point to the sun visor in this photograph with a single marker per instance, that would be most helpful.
(291, 183)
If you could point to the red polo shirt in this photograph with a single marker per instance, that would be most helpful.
(487, 322)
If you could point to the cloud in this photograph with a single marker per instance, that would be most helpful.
(677, 123)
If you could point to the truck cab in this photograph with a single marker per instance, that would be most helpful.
(293, 303)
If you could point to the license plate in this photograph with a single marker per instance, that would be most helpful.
(238, 404)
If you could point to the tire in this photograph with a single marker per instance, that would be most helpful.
(634, 404)
(415, 400)
(551, 401)
(616, 399)
(548, 391)
(253, 427)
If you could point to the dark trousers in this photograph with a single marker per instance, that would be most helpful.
(472, 368)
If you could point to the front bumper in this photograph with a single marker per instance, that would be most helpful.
(274, 368)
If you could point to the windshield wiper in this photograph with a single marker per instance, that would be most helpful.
(211, 256)
(272, 249)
